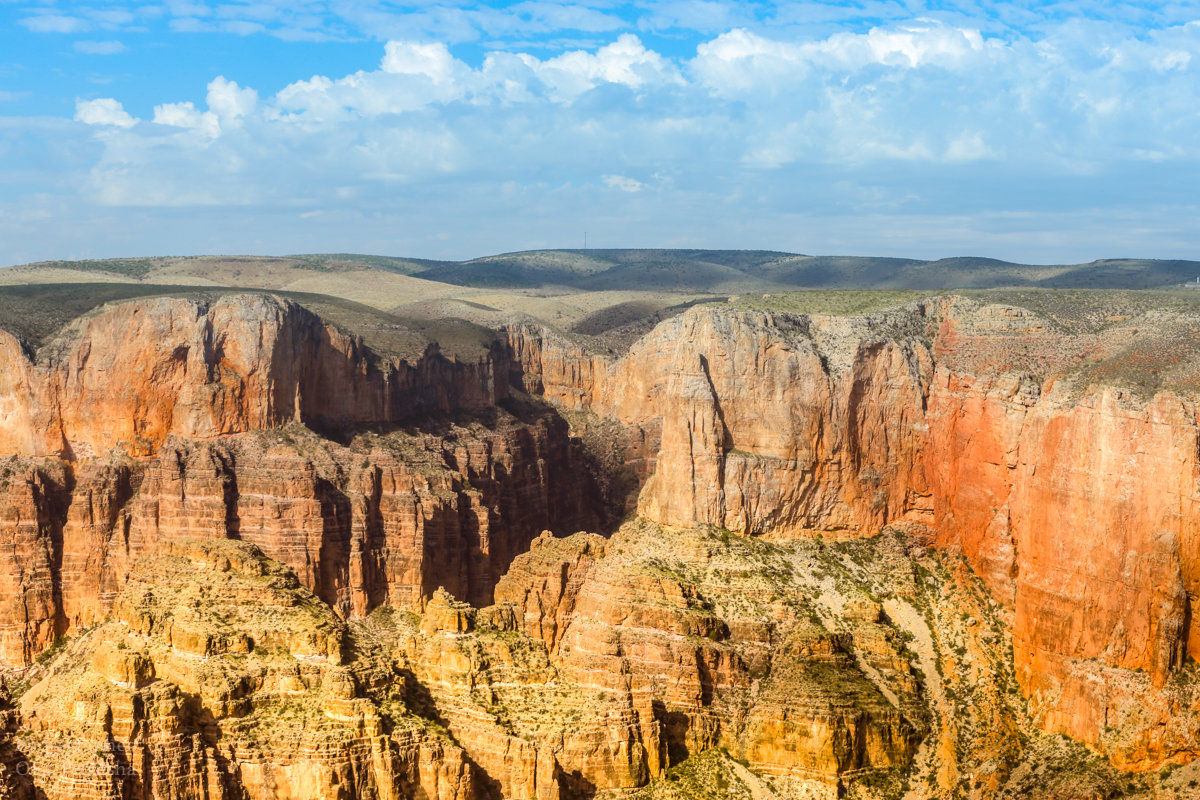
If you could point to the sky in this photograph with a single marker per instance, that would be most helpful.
(1054, 131)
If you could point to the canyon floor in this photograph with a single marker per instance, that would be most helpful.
(353, 527)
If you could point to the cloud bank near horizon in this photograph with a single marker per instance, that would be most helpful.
(885, 130)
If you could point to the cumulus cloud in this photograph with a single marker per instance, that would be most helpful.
(624, 183)
(921, 92)
(626, 62)
(105, 112)
(229, 101)
(184, 115)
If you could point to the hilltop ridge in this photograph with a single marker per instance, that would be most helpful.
(623, 269)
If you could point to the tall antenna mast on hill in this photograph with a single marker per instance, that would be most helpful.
(585, 244)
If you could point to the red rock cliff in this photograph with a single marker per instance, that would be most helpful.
(173, 418)
(137, 372)
(1075, 501)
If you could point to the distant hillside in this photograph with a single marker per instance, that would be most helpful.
(211, 266)
(604, 270)
(762, 270)
(685, 271)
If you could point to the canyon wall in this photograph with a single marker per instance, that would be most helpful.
(172, 418)
(131, 374)
(973, 429)
(974, 426)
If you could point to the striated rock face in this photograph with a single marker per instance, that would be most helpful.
(384, 520)
(15, 782)
(1074, 501)
(543, 585)
(756, 433)
(137, 372)
(291, 568)
(219, 676)
(726, 639)
(603, 662)
(1117, 586)
(166, 419)
(30, 524)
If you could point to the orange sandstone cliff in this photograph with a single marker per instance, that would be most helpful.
(878, 555)
(170, 418)
(1074, 499)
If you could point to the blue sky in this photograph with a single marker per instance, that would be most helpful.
(1033, 131)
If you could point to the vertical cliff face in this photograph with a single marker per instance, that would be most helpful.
(1076, 505)
(605, 661)
(984, 431)
(14, 776)
(35, 503)
(135, 373)
(756, 432)
(385, 520)
(173, 418)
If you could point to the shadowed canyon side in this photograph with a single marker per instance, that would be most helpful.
(975, 426)
(172, 418)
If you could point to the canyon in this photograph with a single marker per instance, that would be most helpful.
(943, 548)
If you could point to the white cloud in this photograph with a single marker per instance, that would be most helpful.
(107, 48)
(410, 58)
(625, 61)
(103, 111)
(694, 15)
(969, 147)
(229, 101)
(625, 184)
(1173, 60)
(185, 115)
(741, 60)
(55, 23)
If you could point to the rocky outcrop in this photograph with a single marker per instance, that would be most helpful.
(407, 497)
(1074, 499)
(135, 373)
(603, 662)
(34, 504)
(15, 780)
(218, 675)
(385, 520)
(759, 431)
(542, 586)
(724, 638)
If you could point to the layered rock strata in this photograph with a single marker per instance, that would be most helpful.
(133, 373)
(1060, 461)
(219, 676)
(177, 418)
(603, 662)
(1070, 488)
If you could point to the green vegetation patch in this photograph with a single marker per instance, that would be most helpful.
(711, 774)
(130, 267)
(1092, 310)
(344, 262)
(839, 302)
